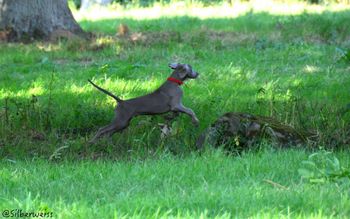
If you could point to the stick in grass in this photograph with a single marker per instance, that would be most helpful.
(275, 184)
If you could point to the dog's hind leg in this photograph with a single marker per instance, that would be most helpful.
(102, 131)
(109, 130)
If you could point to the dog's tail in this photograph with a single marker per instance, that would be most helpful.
(106, 92)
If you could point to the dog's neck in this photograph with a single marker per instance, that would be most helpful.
(176, 81)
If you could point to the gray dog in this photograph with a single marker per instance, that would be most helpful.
(165, 99)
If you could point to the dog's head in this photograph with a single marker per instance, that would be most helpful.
(183, 71)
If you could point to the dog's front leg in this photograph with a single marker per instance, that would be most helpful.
(188, 111)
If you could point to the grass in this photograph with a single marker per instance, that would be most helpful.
(284, 61)
(294, 59)
(207, 186)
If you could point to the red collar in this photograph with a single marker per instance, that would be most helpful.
(177, 81)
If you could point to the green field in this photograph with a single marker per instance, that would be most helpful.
(207, 186)
(288, 61)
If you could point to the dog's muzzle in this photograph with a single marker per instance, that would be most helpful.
(194, 74)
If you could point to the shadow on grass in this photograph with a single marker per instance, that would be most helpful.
(65, 116)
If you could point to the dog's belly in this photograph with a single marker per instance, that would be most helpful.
(150, 105)
(153, 108)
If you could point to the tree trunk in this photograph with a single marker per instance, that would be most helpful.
(36, 19)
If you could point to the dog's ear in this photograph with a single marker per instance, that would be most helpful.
(173, 65)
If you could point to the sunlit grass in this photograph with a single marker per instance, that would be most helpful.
(224, 10)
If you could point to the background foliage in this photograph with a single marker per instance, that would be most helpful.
(145, 3)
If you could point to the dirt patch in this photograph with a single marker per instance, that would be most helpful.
(230, 37)
(62, 34)
(223, 38)
(226, 38)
